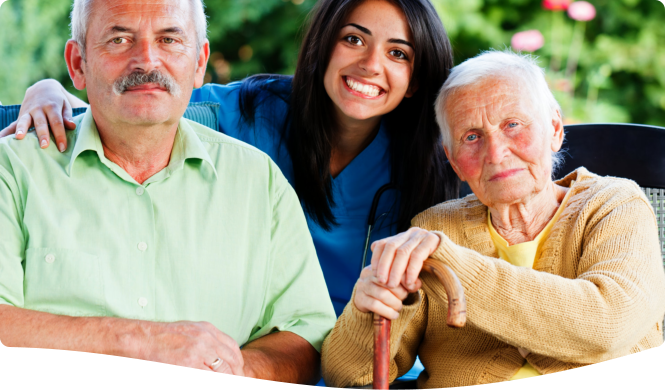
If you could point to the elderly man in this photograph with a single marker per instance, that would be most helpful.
(151, 236)
(557, 274)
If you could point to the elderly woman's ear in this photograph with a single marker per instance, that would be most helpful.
(557, 135)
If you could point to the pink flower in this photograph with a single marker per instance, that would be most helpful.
(530, 40)
(556, 5)
(582, 11)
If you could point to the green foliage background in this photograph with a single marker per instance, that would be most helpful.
(621, 74)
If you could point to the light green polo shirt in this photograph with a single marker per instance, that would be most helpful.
(218, 235)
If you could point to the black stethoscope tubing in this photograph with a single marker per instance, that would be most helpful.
(371, 219)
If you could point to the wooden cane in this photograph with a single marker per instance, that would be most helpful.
(456, 318)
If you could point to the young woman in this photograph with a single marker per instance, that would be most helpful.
(354, 126)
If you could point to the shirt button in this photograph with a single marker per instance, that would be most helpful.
(143, 302)
(142, 246)
(49, 258)
(140, 191)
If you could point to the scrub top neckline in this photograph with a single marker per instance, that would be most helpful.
(379, 143)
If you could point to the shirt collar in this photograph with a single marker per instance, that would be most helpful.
(186, 145)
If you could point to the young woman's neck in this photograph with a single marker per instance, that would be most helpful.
(351, 138)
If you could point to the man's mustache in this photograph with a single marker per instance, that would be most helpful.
(135, 79)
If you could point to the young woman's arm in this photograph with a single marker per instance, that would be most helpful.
(47, 103)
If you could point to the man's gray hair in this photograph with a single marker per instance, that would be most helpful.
(522, 68)
(81, 10)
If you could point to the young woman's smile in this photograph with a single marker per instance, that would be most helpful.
(371, 64)
(362, 89)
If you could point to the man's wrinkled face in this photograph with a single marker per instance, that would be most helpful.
(141, 60)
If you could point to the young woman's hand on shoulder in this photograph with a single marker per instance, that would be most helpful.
(46, 104)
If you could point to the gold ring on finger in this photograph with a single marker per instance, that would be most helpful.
(215, 365)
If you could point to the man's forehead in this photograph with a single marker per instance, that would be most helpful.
(130, 13)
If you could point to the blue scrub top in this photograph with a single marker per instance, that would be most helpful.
(339, 250)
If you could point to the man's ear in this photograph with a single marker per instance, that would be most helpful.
(201, 64)
(75, 63)
(413, 87)
(452, 163)
(557, 136)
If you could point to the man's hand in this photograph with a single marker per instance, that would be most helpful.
(193, 344)
(45, 103)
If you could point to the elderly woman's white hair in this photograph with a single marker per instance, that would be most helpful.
(522, 68)
(81, 10)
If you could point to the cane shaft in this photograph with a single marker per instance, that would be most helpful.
(456, 318)
(381, 352)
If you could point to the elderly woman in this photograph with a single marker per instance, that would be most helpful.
(557, 274)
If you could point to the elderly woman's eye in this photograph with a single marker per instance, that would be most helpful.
(513, 124)
(118, 41)
(471, 137)
(169, 40)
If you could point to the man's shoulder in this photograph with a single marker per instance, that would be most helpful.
(214, 139)
(225, 151)
(11, 143)
(29, 146)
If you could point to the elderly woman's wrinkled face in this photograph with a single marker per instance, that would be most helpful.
(499, 145)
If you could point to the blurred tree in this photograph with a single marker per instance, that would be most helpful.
(32, 42)
(621, 70)
(620, 76)
(249, 36)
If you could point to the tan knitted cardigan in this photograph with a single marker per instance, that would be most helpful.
(596, 293)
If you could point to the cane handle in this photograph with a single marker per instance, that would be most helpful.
(454, 290)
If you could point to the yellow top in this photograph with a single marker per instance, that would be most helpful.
(524, 254)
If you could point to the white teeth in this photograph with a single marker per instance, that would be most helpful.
(365, 89)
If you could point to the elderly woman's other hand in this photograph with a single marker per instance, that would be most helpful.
(393, 274)
(400, 258)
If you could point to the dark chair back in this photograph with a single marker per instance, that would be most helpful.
(636, 152)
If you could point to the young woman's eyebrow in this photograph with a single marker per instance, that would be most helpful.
(391, 40)
(359, 27)
(402, 42)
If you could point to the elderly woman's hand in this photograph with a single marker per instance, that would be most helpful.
(372, 296)
(400, 258)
